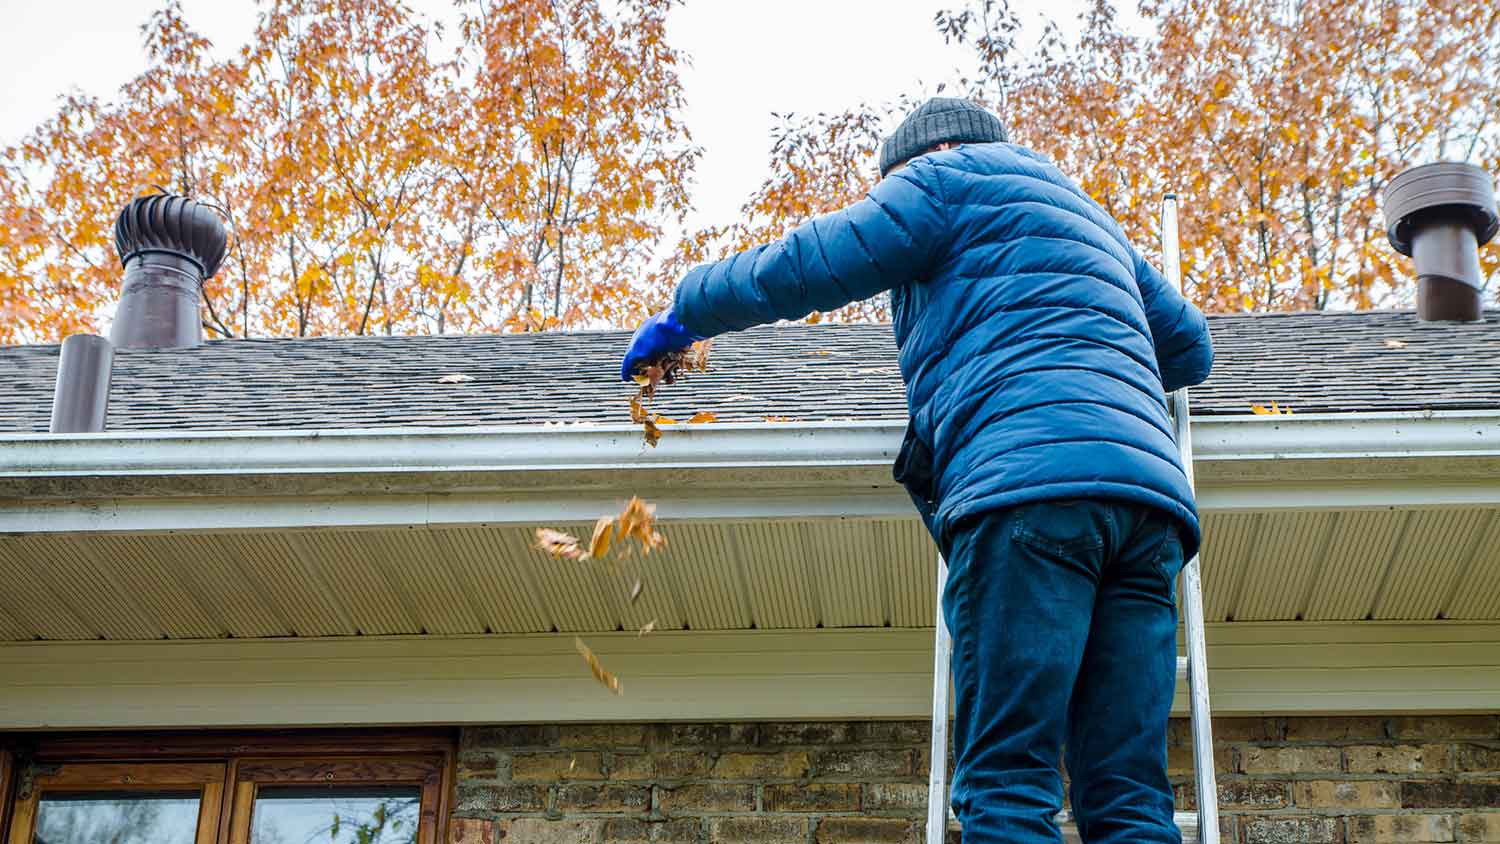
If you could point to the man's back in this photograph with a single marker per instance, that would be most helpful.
(1033, 355)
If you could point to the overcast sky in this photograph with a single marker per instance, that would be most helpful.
(750, 58)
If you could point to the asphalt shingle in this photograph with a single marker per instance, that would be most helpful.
(1312, 362)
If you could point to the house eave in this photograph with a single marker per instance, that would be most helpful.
(164, 480)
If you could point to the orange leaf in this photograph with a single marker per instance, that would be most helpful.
(558, 544)
(606, 679)
(603, 533)
(703, 416)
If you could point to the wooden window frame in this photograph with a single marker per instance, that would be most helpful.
(207, 778)
(244, 761)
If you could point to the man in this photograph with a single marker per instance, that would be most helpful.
(1037, 347)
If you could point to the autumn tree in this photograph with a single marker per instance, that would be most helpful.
(1278, 124)
(374, 177)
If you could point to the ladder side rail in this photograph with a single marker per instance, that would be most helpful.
(1191, 582)
(937, 773)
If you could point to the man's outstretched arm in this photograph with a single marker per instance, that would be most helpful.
(891, 236)
(1184, 351)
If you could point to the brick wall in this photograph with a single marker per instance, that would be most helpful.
(1282, 780)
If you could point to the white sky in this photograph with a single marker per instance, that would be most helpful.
(750, 58)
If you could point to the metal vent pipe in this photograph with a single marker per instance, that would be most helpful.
(81, 398)
(168, 245)
(1440, 214)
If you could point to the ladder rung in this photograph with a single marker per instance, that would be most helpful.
(1182, 668)
(1187, 822)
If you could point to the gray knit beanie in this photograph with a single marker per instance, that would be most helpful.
(937, 121)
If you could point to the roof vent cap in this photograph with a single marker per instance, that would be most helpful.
(1440, 214)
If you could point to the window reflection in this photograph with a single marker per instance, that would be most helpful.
(333, 815)
(116, 818)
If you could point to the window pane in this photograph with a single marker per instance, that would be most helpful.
(117, 817)
(335, 815)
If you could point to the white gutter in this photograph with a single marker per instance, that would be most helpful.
(533, 475)
(587, 448)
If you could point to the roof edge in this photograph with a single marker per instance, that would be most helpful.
(759, 445)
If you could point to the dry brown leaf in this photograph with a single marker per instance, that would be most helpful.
(635, 591)
(606, 679)
(650, 625)
(638, 413)
(652, 433)
(604, 531)
(638, 520)
(703, 416)
(558, 544)
(455, 378)
(1273, 410)
(664, 420)
(1396, 344)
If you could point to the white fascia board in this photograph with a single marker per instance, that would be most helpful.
(1254, 668)
(718, 471)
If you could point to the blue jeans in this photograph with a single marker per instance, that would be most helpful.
(1064, 636)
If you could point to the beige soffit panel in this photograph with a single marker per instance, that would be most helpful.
(1436, 548)
(361, 588)
(1478, 591)
(292, 583)
(911, 570)
(848, 572)
(1353, 561)
(29, 603)
(213, 565)
(777, 575)
(1227, 540)
(414, 564)
(570, 591)
(88, 588)
(704, 569)
(1281, 566)
(150, 568)
(485, 562)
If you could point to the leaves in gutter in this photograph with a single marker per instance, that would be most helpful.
(1273, 410)
(666, 370)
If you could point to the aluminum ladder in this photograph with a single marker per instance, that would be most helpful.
(1202, 826)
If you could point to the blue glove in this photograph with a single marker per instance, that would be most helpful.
(658, 335)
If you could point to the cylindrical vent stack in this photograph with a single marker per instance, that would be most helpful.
(1440, 214)
(168, 245)
(82, 395)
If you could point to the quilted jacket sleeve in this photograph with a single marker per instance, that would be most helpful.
(1184, 352)
(893, 235)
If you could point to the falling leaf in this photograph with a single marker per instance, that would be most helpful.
(1395, 344)
(650, 625)
(604, 531)
(558, 544)
(635, 591)
(638, 520)
(638, 413)
(455, 378)
(606, 679)
(653, 433)
(703, 416)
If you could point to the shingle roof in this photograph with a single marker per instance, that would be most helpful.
(1312, 362)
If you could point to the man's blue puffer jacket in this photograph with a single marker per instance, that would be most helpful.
(1035, 343)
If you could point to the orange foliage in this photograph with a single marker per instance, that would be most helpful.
(370, 182)
(1278, 125)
